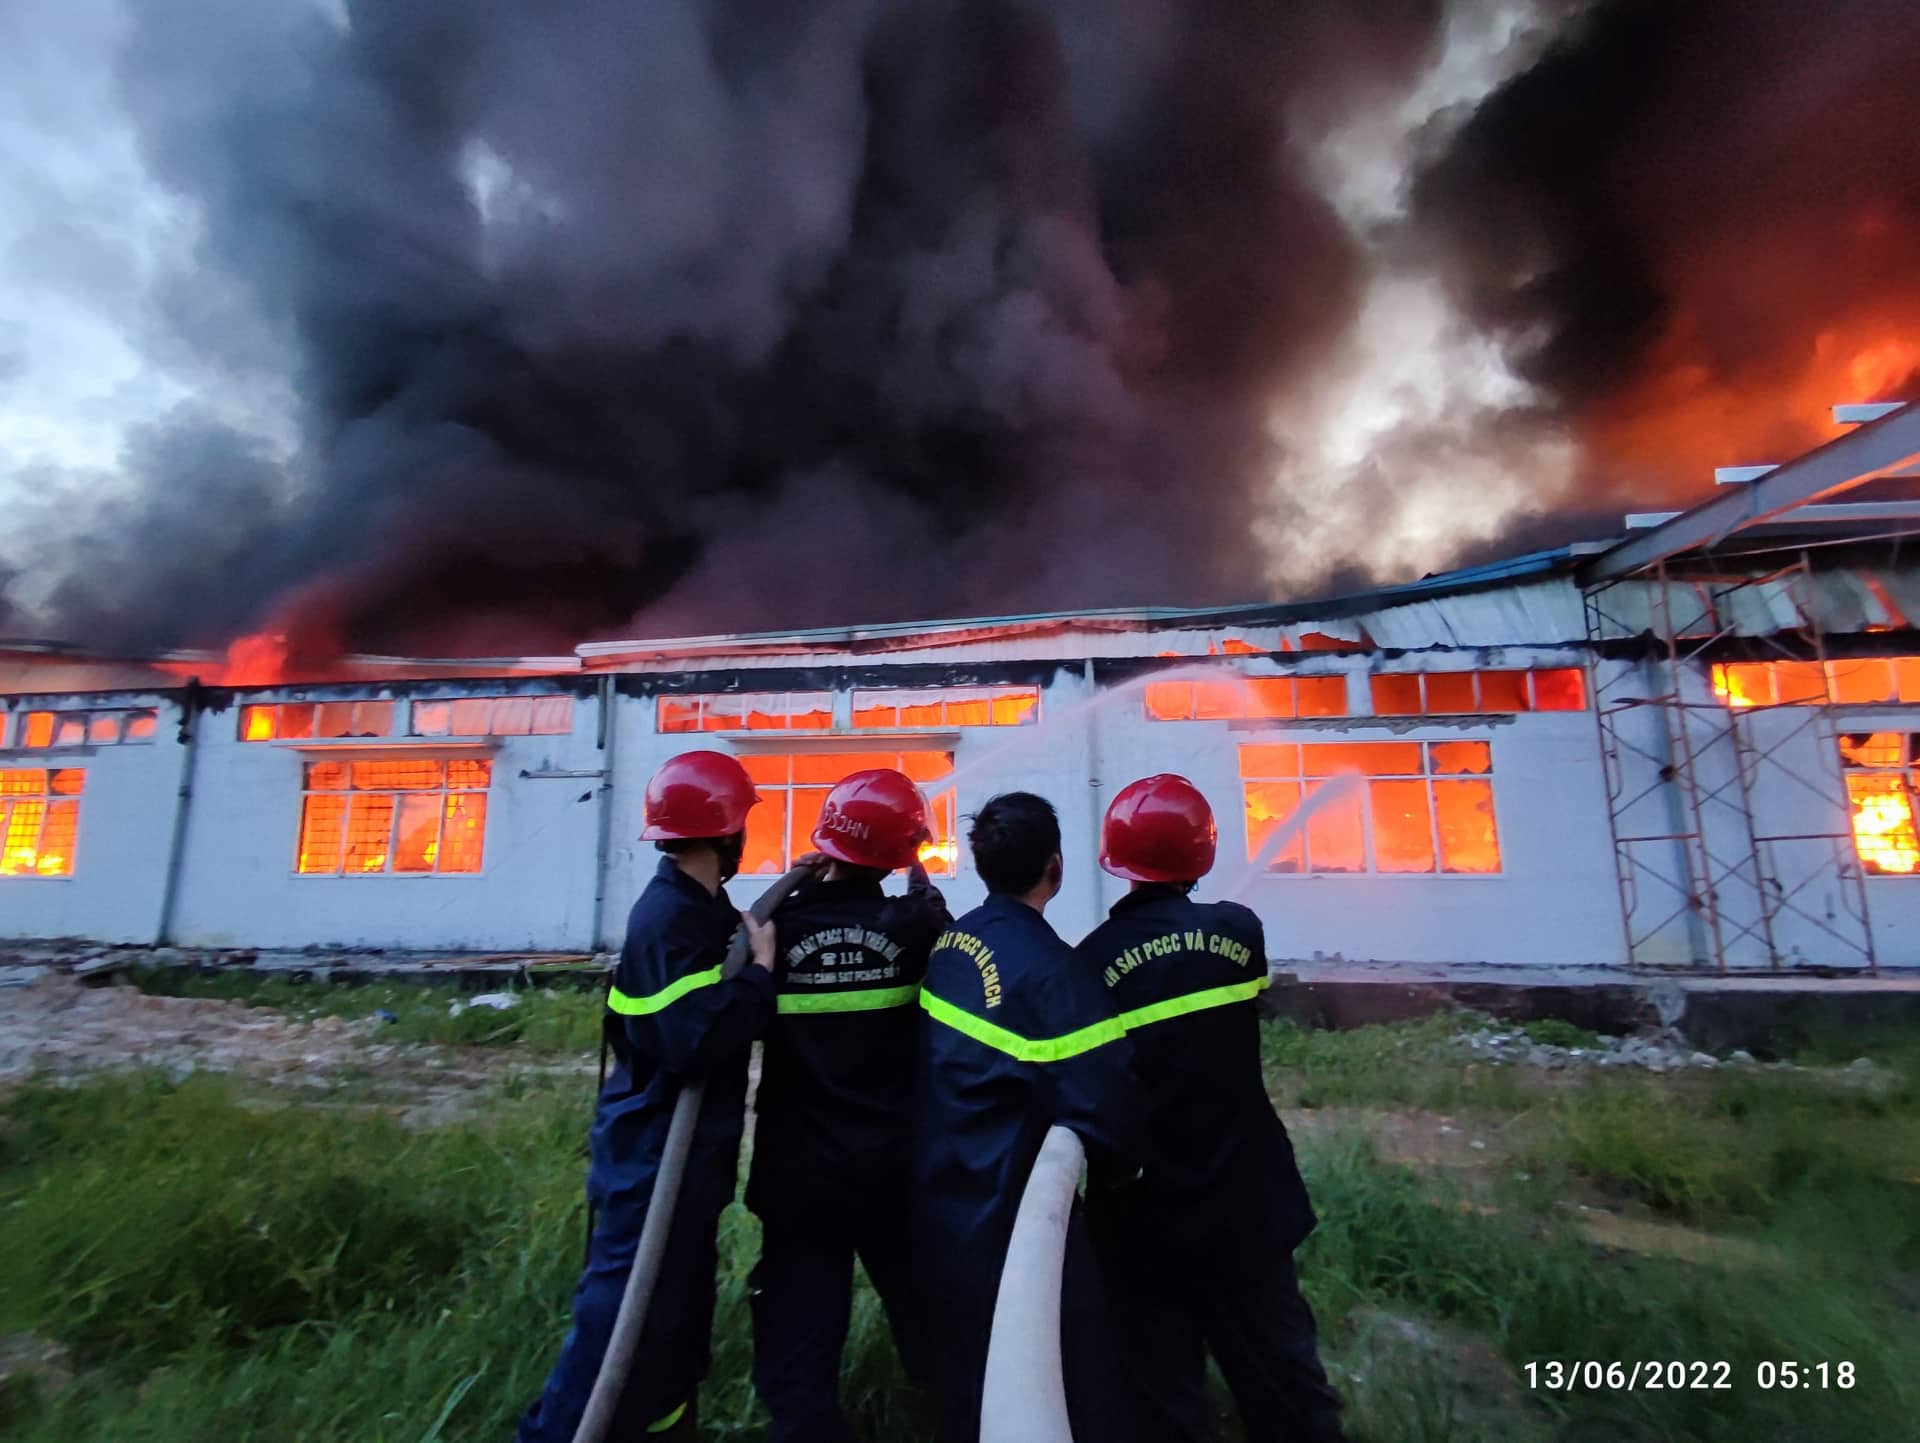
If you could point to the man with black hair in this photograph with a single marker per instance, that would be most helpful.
(1018, 1038)
(671, 1018)
(1198, 1250)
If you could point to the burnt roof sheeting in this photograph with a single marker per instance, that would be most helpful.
(1843, 600)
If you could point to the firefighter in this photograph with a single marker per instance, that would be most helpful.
(1018, 1038)
(831, 1141)
(1199, 1250)
(670, 1019)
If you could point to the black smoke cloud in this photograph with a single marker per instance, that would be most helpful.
(730, 313)
(1694, 225)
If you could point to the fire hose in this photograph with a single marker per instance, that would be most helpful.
(1024, 1395)
(652, 1248)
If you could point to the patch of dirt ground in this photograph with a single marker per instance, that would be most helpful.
(58, 1026)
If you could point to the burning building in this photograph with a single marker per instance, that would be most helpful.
(1693, 747)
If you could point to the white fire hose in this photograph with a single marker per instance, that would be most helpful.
(1024, 1396)
(652, 1248)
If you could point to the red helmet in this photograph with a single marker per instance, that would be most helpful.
(1159, 829)
(873, 819)
(695, 795)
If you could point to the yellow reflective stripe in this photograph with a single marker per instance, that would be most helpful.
(627, 1006)
(1023, 1049)
(865, 999)
(668, 1421)
(1193, 1002)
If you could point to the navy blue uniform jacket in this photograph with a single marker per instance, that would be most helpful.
(670, 1018)
(1183, 976)
(836, 1080)
(1018, 1037)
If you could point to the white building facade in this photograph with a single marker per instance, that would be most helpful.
(1507, 766)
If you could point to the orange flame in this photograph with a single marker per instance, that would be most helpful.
(1883, 830)
(1881, 369)
(1740, 685)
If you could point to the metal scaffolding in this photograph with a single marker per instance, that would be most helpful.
(1712, 870)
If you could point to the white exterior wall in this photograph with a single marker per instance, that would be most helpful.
(1050, 758)
(238, 887)
(126, 820)
(1556, 901)
(1798, 790)
(1553, 903)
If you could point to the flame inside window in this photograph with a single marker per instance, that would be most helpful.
(39, 821)
(45, 729)
(745, 711)
(1425, 808)
(975, 706)
(1852, 681)
(407, 815)
(1880, 783)
(794, 785)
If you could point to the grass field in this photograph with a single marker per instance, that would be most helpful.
(209, 1259)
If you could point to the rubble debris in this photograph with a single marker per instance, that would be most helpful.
(1664, 1050)
(1660, 1051)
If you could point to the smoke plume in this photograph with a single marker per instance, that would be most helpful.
(710, 314)
(1695, 227)
(734, 313)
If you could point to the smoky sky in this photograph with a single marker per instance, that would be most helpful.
(1683, 212)
(608, 318)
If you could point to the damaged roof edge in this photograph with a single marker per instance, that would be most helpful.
(1532, 565)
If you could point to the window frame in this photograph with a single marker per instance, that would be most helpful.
(895, 756)
(1247, 688)
(1906, 772)
(947, 696)
(16, 735)
(1422, 681)
(1363, 801)
(312, 733)
(493, 702)
(46, 798)
(444, 791)
(1901, 674)
(787, 708)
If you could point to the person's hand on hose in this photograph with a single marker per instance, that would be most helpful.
(759, 940)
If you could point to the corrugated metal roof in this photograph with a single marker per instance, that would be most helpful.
(1533, 565)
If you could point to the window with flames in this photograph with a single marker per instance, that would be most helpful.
(982, 706)
(889, 709)
(1454, 693)
(1879, 768)
(410, 816)
(1233, 697)
(793, 785)
(39, 820)
(1856, 681)
(1419, 807)
(776, 711)
(325, 720)
(38, 730)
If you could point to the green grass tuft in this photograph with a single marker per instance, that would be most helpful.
(219, 1261)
